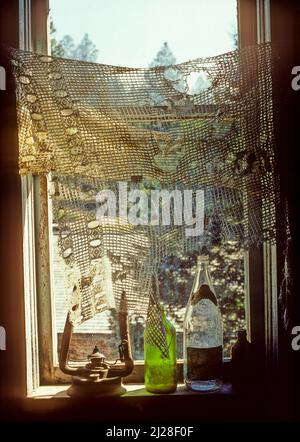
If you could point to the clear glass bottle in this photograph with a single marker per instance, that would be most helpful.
(203, 334)
(161, 371)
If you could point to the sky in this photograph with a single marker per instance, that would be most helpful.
(131, 32)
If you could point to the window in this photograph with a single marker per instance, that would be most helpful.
(125, 49)
(216, 33)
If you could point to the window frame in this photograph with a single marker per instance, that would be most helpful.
(260, 263)
(254, 24)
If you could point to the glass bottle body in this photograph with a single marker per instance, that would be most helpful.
(243, 362)
(203, 335)
(161, 371)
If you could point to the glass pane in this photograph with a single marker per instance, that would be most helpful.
(132, 32)
(141, 34)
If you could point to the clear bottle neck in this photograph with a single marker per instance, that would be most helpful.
(202, 275)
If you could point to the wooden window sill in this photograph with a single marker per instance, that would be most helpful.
(133, 390)
(51, 403)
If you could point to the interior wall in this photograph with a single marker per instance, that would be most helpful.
(12, 360)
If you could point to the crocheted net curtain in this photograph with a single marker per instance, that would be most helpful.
(204, 125)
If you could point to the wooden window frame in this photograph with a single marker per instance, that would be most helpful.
(261, 269)
(261, 274)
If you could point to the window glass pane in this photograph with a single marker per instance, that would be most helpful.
(141, 34)
(131, 32)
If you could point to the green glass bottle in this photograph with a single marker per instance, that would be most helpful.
(160, 369)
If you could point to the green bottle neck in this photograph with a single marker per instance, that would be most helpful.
(163, 315)
(169, 326)
(163, 311)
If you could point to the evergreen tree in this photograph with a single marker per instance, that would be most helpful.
(56, 46)
(68, 45)
(65, 47)
(164, 57)
(233, 33)
(86, 50)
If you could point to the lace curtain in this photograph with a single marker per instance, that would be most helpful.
(124, 147)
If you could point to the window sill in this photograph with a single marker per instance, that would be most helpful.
(51, 403)
(133, 390)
